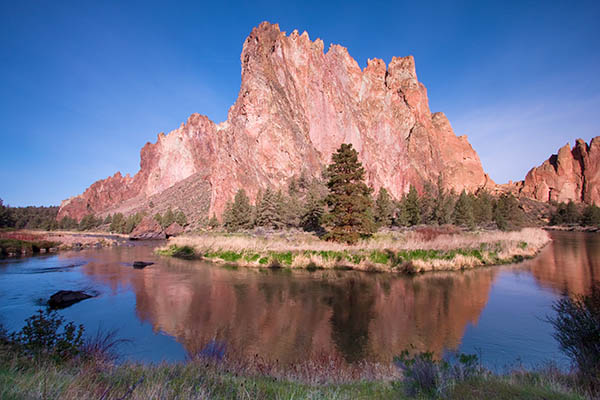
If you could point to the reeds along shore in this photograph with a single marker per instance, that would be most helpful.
(409, 252)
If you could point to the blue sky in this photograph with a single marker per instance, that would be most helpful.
(85, 84)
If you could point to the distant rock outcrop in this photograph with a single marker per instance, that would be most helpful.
(148, 229)
(572, 174)
(173, 230)
(295, 107)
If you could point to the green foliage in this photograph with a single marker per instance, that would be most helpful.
(426, 376)
(185, 252)
(6, 219)
(46, 334)
(591, 215)
(410, 206)
(577, 331)
(28, 217)
(120, 224)
(238, 215)
(463, 211)
(565, 214)
(443, 206)
(349, 198)
(269, 210)
(384, 209)
(68, 223)
(483, 208)
(313, 211)
(107, 220)
(89, 222)
(507, 213)
(166, 220)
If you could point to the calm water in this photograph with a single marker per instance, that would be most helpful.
(177, 306)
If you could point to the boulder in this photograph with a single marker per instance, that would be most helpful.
(148, 229)
(65, 298)
(173, 230)
(141, 264)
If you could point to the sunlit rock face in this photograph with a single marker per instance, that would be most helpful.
(572, 174)
(296, 105)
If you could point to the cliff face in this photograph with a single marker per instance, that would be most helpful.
(295, 107)
(572, 174)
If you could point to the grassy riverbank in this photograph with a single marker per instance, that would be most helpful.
(95, 378)
(409, 251)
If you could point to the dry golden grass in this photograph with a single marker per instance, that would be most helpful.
(420, 251)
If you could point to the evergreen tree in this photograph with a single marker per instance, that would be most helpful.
(89, 222)
(68, 223)
(427, 205)
(108, 219)
(591, 216)
(443, 205)
(180, 218)
(314, 211)
(507, 213)
(483, 208)
(158, 218)
(384, 209)
(268, 211)
(349, 197)
(411, 206)
(463, 211)
(401, 217)
(238, 215)
(118, 223)
(168, 218)
(6, 219)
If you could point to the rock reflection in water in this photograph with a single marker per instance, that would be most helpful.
(291, 315)
(569, 264)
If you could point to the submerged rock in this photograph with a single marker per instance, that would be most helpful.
(66, 298)
(141, 264)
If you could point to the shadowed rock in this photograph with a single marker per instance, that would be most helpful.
(66, 298)
(141, 264)
(174, 229)
(148, 229)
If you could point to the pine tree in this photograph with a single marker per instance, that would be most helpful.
(238, 215)
(349, 197)
(401, 214)
(591, 216)
(483, 208)
(507, 214)
(108, 219)
(268, 211)
(463, 211)
(384, 209)
(443, 205)
(314, 211)
(6, 219)
(118, 223)
(180, 218)
(411, 206)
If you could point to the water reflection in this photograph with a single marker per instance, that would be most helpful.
(288, 316)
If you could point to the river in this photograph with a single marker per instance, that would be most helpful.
(175, 307)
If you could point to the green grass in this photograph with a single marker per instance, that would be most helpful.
(17, 246)
(23, 378)
(185, 252)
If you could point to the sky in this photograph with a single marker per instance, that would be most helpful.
(84, 85)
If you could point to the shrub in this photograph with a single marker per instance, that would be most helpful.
(42, 336)
(577, 330)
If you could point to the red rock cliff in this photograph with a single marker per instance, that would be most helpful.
(295, 107)
(572, 174)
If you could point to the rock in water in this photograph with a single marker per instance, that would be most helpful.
(65, 298)
(297, 104)
(148, 229)
(141, 264)
(173, 230)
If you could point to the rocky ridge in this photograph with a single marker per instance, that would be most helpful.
(295, 107)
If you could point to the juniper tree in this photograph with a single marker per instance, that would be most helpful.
(412, 207)
(238, 215)
(483, 208)
(507, 214)
(314, 210)
(268, 211)
(213, 222)
(349, 197)
(463, 211)
(384, 209)
(591, 215)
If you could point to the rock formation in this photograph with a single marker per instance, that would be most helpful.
(148, 229)
(295, 107)
(572, 174)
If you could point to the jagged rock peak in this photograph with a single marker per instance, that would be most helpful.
(296, 106)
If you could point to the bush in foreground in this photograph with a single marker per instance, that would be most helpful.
(577, 330)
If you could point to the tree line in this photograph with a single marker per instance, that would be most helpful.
(28, 217)
(572, 214)
(340, 206)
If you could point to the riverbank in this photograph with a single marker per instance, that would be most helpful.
(29, 242)
(412, 251)
(208, 377)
